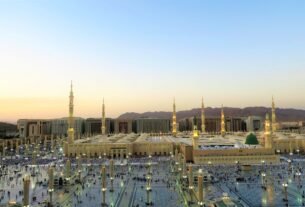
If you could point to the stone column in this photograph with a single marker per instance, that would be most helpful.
(26, 191)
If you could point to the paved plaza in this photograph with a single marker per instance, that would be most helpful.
(223, 185)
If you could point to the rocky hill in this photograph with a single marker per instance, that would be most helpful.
(7, 130)
(7, 127)
(282, 114)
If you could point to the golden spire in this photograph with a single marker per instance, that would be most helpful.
(71, 119)
(195, 133)
(267, 124)
(202, 117)
(223, 125)
(273, 117)
(174, 130)
(103, 129)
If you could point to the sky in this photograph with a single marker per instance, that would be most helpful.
(140, 54)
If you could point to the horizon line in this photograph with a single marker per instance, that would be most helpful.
(112, 117)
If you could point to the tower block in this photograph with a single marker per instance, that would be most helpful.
(195, 134)
(268, 133)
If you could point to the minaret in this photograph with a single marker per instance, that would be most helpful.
(268, 133)
(195, 134)
(273, 117)
(223, 126)
(202, 117)
(71, 119)
(103, 129)
(174, 131)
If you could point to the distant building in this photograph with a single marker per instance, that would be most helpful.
(41, 127)
(152, 125)
(33, 127)
(60, 126)
(93, 126)
(122, 126)
(8, 130)
(254, 123)
(232, 124)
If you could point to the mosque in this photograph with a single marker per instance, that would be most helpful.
(198, 147)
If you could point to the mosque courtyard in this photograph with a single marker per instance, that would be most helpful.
(151, 181)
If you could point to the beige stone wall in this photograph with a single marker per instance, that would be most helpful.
(233, 152)
(289, 145)
(259, 159)
(118, 149)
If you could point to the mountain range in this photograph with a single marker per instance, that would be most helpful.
(7, 126)
(283, 114)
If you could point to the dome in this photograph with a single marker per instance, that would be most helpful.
(251, 139)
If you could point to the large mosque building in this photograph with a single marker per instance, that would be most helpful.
(198, 147)
(117, 138)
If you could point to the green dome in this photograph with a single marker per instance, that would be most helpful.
(251, 139)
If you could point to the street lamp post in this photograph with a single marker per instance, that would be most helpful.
(190, 179)
(184, 176)
(105, 156)
(263, 179)
(148, 183)
(172, 162)
(78, 160)
(200, 188)
(26, 191)
(51, 184)
(104, 185)
(298, 174)
(68, 171)
(289, 165)
(129, 162)
(285, 186)
(111, 175)
(148, 189)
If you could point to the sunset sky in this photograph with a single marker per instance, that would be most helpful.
(138, 55)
